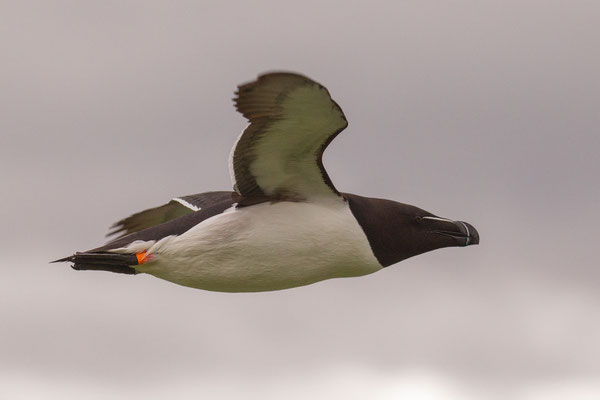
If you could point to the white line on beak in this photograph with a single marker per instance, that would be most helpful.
(440, 219)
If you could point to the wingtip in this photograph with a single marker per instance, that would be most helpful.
(114, 232)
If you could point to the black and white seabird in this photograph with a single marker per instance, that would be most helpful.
(284, 224)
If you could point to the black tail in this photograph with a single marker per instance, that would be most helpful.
(102, 261)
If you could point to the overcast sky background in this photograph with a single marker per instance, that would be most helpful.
(484, 111)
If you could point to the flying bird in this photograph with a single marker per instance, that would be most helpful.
(284, 224)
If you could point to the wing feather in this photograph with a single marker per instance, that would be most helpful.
(279, 155)
(173, 209)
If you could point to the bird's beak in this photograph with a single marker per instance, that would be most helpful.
(469, 233)
(464, 233)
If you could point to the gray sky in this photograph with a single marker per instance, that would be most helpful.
(482, 111)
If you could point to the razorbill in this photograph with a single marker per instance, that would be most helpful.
(284, 224)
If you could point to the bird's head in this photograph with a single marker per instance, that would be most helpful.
(397, 231)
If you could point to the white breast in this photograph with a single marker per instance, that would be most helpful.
(265, 247)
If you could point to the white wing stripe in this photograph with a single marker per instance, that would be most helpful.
(186, 204)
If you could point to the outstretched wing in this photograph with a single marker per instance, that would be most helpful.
(279, 155)
(177, 207)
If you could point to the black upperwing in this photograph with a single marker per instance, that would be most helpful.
(175, 226)
(177, 207)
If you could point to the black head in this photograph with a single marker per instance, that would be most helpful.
(397, 231)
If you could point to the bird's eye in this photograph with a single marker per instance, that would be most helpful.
(418, 218)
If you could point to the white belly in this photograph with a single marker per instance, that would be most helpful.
(265, 247)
